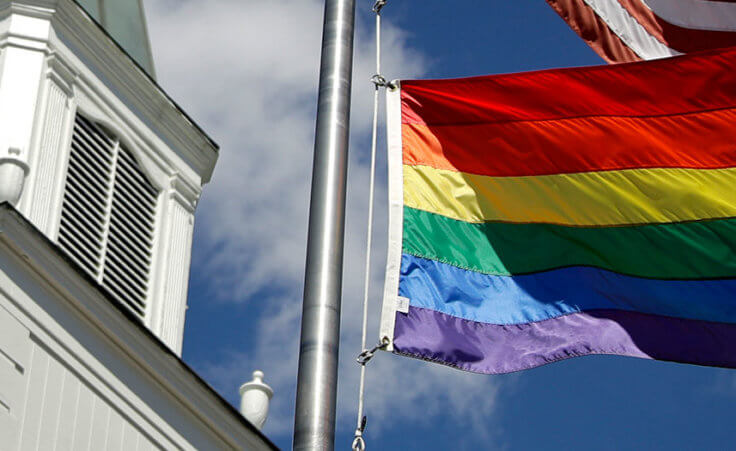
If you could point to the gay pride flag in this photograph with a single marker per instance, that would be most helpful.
(545, 215)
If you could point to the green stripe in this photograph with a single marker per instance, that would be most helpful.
(685, 250)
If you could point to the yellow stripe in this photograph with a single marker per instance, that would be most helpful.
(634, 196)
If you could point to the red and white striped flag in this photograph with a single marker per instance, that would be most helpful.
(632, 30)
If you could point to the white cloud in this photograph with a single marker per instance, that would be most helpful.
(247, 72)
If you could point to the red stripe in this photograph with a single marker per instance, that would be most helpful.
(689, 83)
(682, 39)
(589, 26)
(697, 141)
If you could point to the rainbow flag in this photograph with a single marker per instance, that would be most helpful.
(546, 215)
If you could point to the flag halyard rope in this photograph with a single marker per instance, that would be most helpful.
(367, 354)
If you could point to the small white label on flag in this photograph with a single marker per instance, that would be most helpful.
(402, 304)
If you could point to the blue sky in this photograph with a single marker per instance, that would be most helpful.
(247, 72)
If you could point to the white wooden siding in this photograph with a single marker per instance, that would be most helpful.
(77, 374)
(48, 406)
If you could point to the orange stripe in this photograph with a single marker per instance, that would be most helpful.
(697, 141)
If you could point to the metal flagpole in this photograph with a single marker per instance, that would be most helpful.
(314, 424)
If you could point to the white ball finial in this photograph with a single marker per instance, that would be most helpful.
(255, 397)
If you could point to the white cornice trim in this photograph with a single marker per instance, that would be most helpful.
(41, 9)
(62, 73)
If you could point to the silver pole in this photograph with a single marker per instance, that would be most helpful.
(316, 393)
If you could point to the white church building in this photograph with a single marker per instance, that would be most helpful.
(100, 173)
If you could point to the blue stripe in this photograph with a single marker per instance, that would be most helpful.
(544, 295)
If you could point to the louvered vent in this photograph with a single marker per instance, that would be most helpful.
(108, 214)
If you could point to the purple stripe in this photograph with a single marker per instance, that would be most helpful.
(492, 348)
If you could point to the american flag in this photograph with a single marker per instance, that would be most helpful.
(633, 30)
